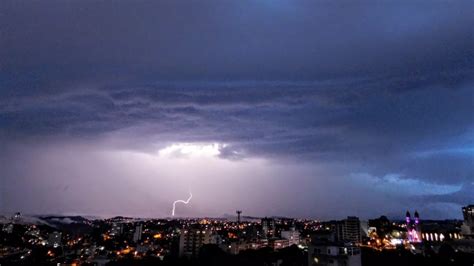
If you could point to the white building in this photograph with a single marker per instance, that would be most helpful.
(292, 236)
(236, 247)
(332, 254)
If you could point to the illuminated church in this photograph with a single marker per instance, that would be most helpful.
(413, 228)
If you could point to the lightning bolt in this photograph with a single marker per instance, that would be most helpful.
(181, 201)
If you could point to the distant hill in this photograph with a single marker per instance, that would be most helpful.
(70, 224)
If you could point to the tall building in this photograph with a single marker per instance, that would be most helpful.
(468, 224)
(268, 227)
(413, 228)
(137, 235)
(349, 230)
(192, 240)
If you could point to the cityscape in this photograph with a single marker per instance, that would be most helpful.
(241, 240)
(237, 132)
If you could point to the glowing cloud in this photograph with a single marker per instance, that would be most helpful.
(192, 150)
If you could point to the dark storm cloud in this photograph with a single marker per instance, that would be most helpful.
(385, 87)
(81, 40)
(371, 126)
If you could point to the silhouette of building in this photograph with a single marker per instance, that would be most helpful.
(349, 230)
(468, 224)
(382, 225)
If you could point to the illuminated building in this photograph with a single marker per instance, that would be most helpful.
(349, 230)
(292, 236)
(117, 229)
(413, 228)
(435, 237)
(268, 227)
(277, 243)
(192, 240)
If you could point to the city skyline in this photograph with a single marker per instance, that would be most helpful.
(305, 109)
(76, 240)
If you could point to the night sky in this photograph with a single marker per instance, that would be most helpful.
(317, 109)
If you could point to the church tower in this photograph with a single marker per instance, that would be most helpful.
(413, 227)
